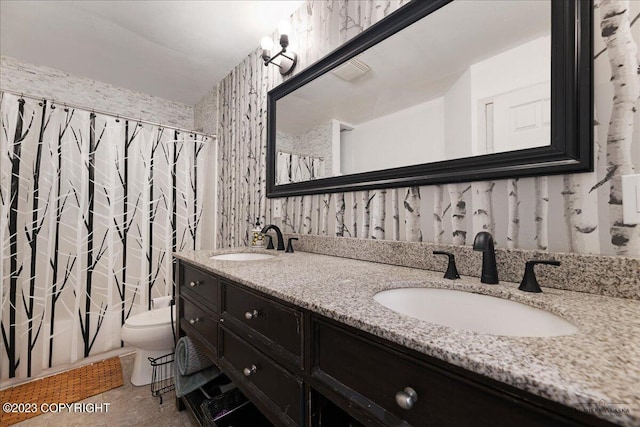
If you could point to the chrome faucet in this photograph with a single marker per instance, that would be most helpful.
(278, 234)
(484, 242)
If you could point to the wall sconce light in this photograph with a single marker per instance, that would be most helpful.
(288, 58)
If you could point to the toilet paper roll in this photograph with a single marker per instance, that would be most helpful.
(160, 302)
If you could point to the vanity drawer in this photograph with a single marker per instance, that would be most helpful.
(280, 387)
(197, 321)
(347, 362)
(200, 285)
(276, 323)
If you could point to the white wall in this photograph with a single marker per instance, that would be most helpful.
(527, 64)
(448, 125)
(457, 118)
(410, 136)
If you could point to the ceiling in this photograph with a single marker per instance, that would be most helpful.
(176, 50)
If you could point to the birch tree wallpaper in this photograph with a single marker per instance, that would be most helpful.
(579, 213)
(91, 208)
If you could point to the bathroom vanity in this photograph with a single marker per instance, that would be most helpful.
(302, 337)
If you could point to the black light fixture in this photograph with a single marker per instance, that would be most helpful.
(288, 58)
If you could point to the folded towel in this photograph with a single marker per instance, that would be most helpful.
(190, 357)
(195, 368)
(185, 384)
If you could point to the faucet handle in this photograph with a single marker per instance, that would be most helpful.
(289, 245)
(270, 243)
(529, 282)
(452, 271)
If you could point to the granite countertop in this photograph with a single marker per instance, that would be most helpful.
(596, 370)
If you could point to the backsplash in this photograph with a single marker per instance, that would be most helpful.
(596, 274)
(564, 213)
(52, 84)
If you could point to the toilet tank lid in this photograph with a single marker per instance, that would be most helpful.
(158, 316)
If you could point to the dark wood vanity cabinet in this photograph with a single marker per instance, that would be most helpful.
(366, 375)
(198, 302)
(200, 286)
(275, 328)
(261, 349)
(256, 341)
(273, 388)
(301, 369)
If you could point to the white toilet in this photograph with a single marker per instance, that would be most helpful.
(150, 333)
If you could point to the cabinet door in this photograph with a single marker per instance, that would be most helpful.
(199, 324)
(275, 328)
(281, 391)
(370, 374)
(200, 285)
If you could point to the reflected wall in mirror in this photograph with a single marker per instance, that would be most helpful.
(439, 92)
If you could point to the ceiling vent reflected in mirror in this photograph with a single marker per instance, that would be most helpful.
(351, 70)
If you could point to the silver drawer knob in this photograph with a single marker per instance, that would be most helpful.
(250, 371)
(194, 284)
(194, 320)
(251, 314)
(407, 398)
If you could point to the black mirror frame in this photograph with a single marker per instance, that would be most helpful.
(571, 148)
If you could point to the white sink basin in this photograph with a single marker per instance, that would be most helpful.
(473, 312)
(242, 256)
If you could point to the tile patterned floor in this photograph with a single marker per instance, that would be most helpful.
(129, 406)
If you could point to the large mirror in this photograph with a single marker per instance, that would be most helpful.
(439, 92)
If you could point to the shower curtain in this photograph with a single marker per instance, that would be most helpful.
(91, 207)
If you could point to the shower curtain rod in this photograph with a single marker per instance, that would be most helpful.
(93, 110)
(302, 155)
